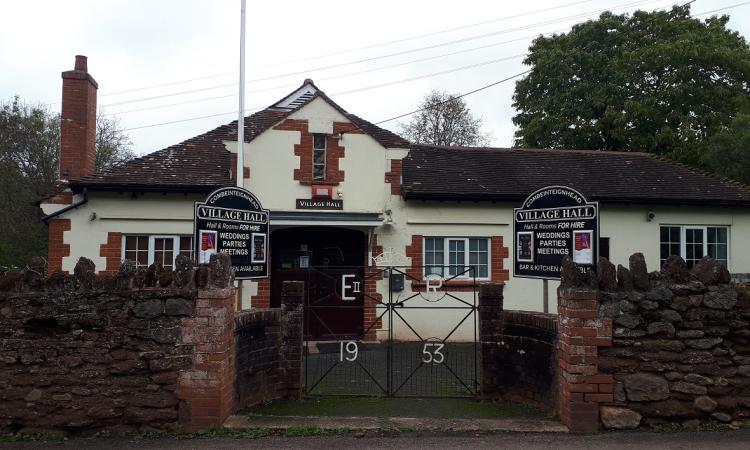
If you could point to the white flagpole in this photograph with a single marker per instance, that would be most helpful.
(241, 118)
(241, 127)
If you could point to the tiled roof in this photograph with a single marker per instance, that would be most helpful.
(384, 137)
(446, 173)
(202, 163)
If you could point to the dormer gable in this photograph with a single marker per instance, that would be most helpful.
(297, 98)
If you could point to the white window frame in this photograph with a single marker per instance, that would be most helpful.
(683, 239)
(122, 247)
(446, 256)
(191, 250)
(152, 245)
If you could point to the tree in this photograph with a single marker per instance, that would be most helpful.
(661, 82)
(29, 139)
(29, 154)
(728, 152)
(444, 119)
(112, 144)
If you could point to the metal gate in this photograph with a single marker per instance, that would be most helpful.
(419, 340)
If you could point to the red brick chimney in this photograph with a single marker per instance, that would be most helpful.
(78, 122)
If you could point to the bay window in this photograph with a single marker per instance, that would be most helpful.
(693, 242)
(454, 256)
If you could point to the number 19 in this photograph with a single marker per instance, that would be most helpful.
(351, 349)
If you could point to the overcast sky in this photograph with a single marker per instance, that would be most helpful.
(376, 59)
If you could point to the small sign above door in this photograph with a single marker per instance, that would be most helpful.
(325, 204)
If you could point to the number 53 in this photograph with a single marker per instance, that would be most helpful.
(433, 356)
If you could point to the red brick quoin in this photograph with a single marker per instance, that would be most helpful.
(262, 299)
(304, 150)
(57, 249)
(233, 167)
(372, 298)
(61, 198)
(111, 251)
(581, 386)
(393, 177)
(498, 274)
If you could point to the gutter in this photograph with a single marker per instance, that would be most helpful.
(135, 187)
(70, 207)
(447, 197)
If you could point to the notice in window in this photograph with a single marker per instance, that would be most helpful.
(582, 247)
(207, 246)
(259, 248)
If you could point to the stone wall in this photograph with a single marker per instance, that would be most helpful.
(680, 342)
(91, 359)
(519, 357)
(136, 350)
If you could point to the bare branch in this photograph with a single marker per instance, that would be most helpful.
(445, 119)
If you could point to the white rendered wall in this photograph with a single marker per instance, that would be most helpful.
(272, 163)
(625, 225)
(152, 213)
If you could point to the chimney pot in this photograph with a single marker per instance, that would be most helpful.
(81, 63)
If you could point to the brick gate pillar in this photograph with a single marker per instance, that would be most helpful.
(208, 388)
(581, 386)
(490, 338)
(292, 318)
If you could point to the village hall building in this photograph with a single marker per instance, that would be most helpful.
(345, 193)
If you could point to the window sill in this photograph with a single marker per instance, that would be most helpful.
(321, 183)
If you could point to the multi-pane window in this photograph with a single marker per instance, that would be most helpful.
(670, 242)
(164, 251)
(146, 250)
(479, 256)
(434, 256)
(136, 250)
(694, 245)
(186, 246)
(694, 242)
(717, 244)
(319, 157)
(454, 257)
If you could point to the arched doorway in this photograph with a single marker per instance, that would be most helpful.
(319, 257)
